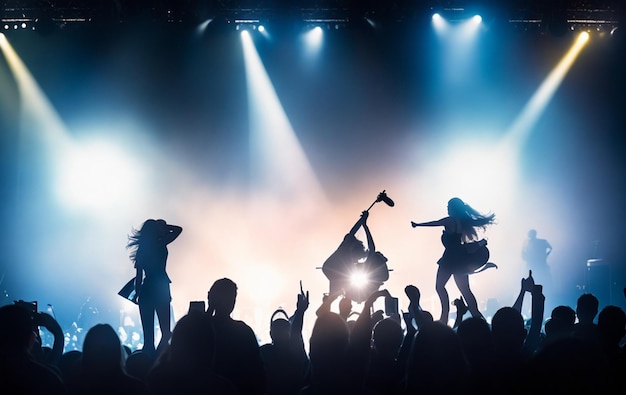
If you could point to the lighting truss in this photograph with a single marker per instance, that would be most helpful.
(586, 13)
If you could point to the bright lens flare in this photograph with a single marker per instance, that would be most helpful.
(95, 175)
(358, 279)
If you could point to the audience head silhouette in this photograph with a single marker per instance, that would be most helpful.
(280, 331)
(193, 341)
(387, 338)
(587, 308)
(222, 296)
(561, 322)
(102, 349)
(16, 329)
(612, 324)
(507, 328)
(437, 363)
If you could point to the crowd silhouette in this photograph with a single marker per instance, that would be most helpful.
(578, 348)
(574, 349)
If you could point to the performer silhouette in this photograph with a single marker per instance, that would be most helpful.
(463, 254)
(352, 258)
(535, 253)
(340, 265)
(149, 255)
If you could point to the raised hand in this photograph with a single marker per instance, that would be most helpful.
(377, 316)
(413, 293)
(303, 299)
(528, 283)
(537, 292)
(364, 216)
(345, 307)
(461, 307)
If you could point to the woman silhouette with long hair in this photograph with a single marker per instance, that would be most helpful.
(148, 247)
(464, 254)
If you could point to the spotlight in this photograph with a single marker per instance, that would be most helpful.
(246, 24)
(583, 37)
(438, 22)
(261, 28)
(23, 25)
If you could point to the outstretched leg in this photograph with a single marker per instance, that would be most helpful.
(462, 282)
(443, 276)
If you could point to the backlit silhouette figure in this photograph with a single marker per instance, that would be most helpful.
(463, 254)
(152, 284)
(535, 253)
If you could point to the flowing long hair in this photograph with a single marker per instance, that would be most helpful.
(148, 231)
(469, 217)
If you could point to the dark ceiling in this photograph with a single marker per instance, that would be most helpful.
(191, 11)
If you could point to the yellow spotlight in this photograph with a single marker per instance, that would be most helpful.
(522, 125)
(37, 115)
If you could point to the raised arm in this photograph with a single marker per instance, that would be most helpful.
(461, 309)
(533, 339)
(359, 223)
(169, 232)
(370, 240)
(527, 286)
(362, 330)
(327, 301)
(297, 320)
(440, 222)
(47, 321)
